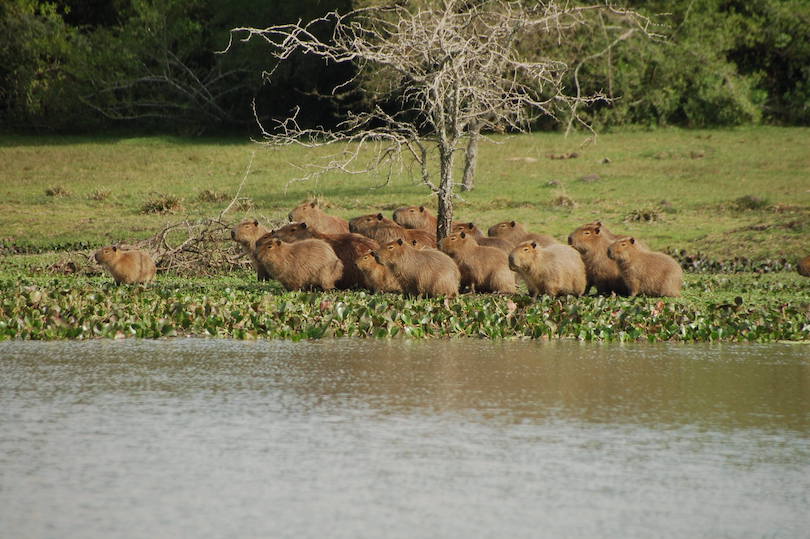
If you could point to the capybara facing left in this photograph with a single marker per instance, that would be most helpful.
(377, 276)
(424, 272)
(515, 233)
(246, 234)
(483, 269)
(127, 266)
(415, 217)
(314, 216)
(384, 230)
(554, 270)
(300, 265)
(646, 272)
(347, 247)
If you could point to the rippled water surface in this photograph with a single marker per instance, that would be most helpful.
(361, 438)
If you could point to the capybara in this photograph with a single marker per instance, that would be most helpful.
(646, 272)
(804, 266)
(483, 269)
(245, 234)
(416, 217)
(314, 216)
(424, 272)
(592, 242)
(515, 233)
(554, 270)
(347, 247)
(127, 266)
(301, 264)
(472, 230)
(378, 277)
(384, 230)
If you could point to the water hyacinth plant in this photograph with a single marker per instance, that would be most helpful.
(78, 307)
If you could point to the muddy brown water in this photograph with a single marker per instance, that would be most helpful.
(440, 438)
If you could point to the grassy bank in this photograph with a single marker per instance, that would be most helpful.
(740, 197)
(744, 307)
(724, 193)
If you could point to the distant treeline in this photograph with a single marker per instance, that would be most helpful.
(82, 66)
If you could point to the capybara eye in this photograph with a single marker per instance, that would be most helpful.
(586, 233)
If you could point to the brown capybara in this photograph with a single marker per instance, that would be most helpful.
(803, 266)
(649, 273)
(471, 230)
(314, 216)
(483, 269)
(347, 247)
(592, 241)
(554, 270)
(127, 266)
(299, 265)
(384, 230)
(416, 217)
(423, 272)
(245, 234)
(515, 233)
(378, 277)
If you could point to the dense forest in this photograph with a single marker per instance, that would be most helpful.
(85, 66)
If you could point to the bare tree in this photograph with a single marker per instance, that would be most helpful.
(453, 70)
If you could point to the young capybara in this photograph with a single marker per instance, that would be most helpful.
(301, 264)
(314, 216)
(646, 272)
(127, 266)
(515, 233)
(384, 230)
(378, 277)
(803, 266)
(347, 247)
(472, 230)
(245, 234)
(554, 270)
(416, 217)
(423, 272)
(592, 241)
(483, 269)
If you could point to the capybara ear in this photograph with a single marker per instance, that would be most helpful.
(421, 208)
(379, 217)
(303, 225)
(312, 204)
(399, 241)
(512, 224)
(115, 249)
(462, 235)
(596, 230)
(632, 239)
(598, 223)
(470, 225)
(255, 222)
(534, 245)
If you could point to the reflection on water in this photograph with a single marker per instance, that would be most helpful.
(394, 438)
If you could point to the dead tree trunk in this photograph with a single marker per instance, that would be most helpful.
(471, 158)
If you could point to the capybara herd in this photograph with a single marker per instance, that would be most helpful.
(321, 251)
(374, 252)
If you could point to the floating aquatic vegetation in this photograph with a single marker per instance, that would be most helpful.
(77, 307)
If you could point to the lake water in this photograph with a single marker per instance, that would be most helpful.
(366, 438)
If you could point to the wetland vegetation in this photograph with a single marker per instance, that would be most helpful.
(732, 205)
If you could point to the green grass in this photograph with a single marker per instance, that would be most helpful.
(733, 195)
(691, 181)
(759, 308)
